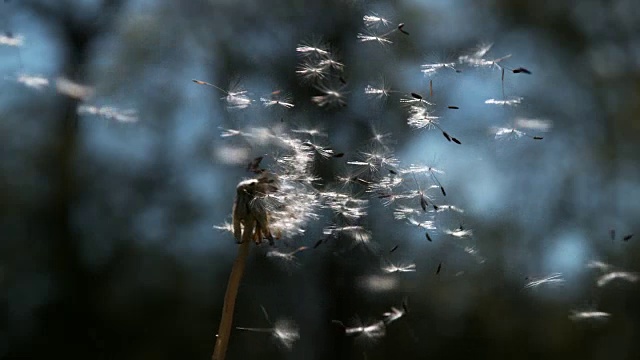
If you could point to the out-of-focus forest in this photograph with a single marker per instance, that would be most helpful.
(118, 174)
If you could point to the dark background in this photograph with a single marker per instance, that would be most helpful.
(108, 249)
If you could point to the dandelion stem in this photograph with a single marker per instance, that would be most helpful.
(224, 331)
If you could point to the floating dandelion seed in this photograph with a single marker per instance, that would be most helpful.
(374, 20)
(33, 81)
(371, 331)
(224, 227)
(73, 89)
(595, 264)
(609, 273)
(394, 314)
(322, 151)
(330, 63)
(555, 278)
(533, 124)
(459, 232)
(401, 29)
(380, 90)
(622, 275)
(427, 224)
(428, 236)
(311, 71)
(432, 68)
(9, 39)
(477, 59)
(108, 112)
(284, 332)
(509, 102)
(588, 315)
(308, 49)
(372, 37)
(277, 98)
(310, 132)
(479, 52)
(236, 99)
(286, 257)
(419, 117)
(415, 99)
(355, 232)
(392, 268)
(330, 97)
(346, 206)
(508, 133)
(521, 70)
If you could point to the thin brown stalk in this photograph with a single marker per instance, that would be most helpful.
(224, 331)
